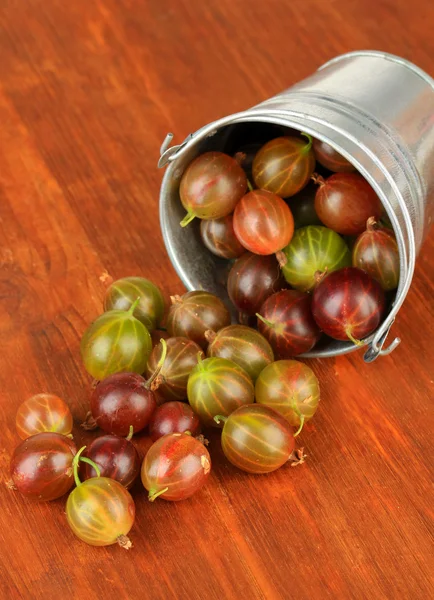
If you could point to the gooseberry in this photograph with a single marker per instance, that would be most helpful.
(302, 207)
(124, 292)
(252, 279)
(182, 355)
(124, 400)
(218, 386)
(194, 313)
(376, 252)
(100, 511)
(173, 417)
(219, 237)
(175, 467)
(256, 438)
(41, 413)
(116, 342)
(116, 457)
(291, 388)
(211, 186)
(243, 345)
(312, 249)
(348, 304)
(285, 320)
(41, 466)
(263, 222)
(284, 165)
(345, 201)
(329, 158)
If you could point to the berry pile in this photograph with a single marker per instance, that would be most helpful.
(218, 367)
(293, 276)
(295, 229)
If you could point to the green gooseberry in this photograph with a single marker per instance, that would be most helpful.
(116, 342)
(291, 388)
(218, 386)
(313, 249)
(123, 292)
(243, 345)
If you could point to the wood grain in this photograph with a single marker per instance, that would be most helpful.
(88, 90)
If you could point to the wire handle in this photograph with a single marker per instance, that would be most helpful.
(376, 347)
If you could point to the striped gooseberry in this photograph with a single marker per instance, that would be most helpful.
(291, 388)
(256, 438)
(285, 320)
(116, 457)
(251, 280)
(263, 222)
(124, 400)
(211, 186)
(218, 386)
(182, 355)
(219, 237)
(124, 292)
(348, 304)
(41, 466)
(116, 342)
(41, 413)
(243, 345)
(173, 417)
(194, 313)
(312, 249)
(376, 252)
(345, 201)
(284, 165)
(175, 467)
(100, 511)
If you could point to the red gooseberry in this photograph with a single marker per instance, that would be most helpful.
(263, 222)
(348, 304)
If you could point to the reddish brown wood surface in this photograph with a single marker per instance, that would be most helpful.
(88, 90)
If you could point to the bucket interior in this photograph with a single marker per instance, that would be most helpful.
(197, 267)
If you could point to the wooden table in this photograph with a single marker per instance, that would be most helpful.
(88, 91)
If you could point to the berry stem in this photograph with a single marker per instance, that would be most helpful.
(210, 335)
(299, 415)
(240, 157)
(92, 464)
(155, 374)
(297, 457)
(130, 434)
(176, 299)
(220, 418)
(309, 144)
(318, 179)
(281, 258)
(266, 321)
(133, 306)
(187, 219)
(352, 338)
(124, 542)
(371, 224)
(89, 423)
(300, 427)
(250, 186)
(75, 462)
(199, 356)
(153, 494)
(319, 275)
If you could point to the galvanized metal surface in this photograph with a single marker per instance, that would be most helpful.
(377, 110)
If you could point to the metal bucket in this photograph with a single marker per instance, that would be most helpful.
(375, 109)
